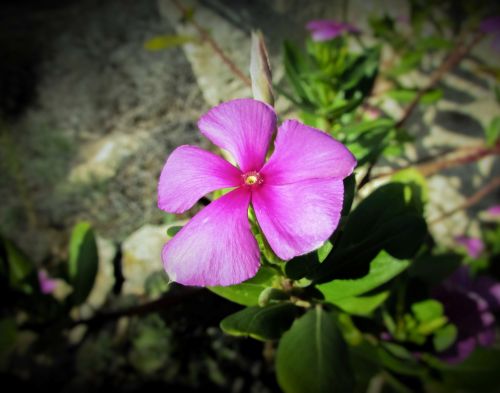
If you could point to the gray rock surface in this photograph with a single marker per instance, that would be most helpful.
(107, 112)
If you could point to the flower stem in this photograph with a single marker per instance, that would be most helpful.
(472, 200)
(205, 35)
(450, 62)
(462, 156)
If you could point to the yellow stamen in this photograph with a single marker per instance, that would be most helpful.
(252, 179)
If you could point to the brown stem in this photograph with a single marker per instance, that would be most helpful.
(459, 157)
(472, 200)
(217, 49)
(448, 64)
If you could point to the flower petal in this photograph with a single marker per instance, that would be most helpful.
(298, 218)
(327, 29)
(243, 127)
(189, 174)
(303, 152)
(216, 247)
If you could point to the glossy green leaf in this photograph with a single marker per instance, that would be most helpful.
(83, 262)
(247, 293)
(382, 269)
(301, 266)
(388, 219)
(261, 323)
(362, 306)
(312, 356)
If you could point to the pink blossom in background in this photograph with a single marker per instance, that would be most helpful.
(491, 25)
(327, 29)
(297, 194)
(47, 284)
(494, 211)
(474, 246)
(469, 303)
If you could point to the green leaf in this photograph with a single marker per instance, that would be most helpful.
(445, 337)
(362, 306)
(432, 269)
(172, 231)
(492, 132)
(247, 293)
(388, 219)
(419, 189)
(360, 73)
(83, 262)
(405, 96)
(261, 323)
(402, 96)
(368, 126)
(162, 42)
(21, 270)
(301, 266)
(382, 269)
(349, 191)
(427, 310)
(294, 63)
(312, 356)
(432, 96)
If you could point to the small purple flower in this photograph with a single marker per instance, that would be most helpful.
(473, 245)
(296, 195)
(491, 25)
(469, 304)
(327, 29)
(494, 211)
(47, 284)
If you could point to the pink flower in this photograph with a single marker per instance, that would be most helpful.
(327, 29)
(474, 246)
(491, 25)
(494, 211)
(47, 284)
(296, 195)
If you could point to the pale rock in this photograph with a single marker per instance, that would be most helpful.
(142, 256)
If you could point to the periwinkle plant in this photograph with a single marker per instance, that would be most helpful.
(329, 289)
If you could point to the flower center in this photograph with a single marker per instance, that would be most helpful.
(252, 178)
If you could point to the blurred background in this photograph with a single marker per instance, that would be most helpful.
(94, 95)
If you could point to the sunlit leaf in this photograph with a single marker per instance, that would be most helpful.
(363, 305)
(382, 269)
(247, 293)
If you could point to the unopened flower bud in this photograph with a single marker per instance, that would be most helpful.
(260, 70)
